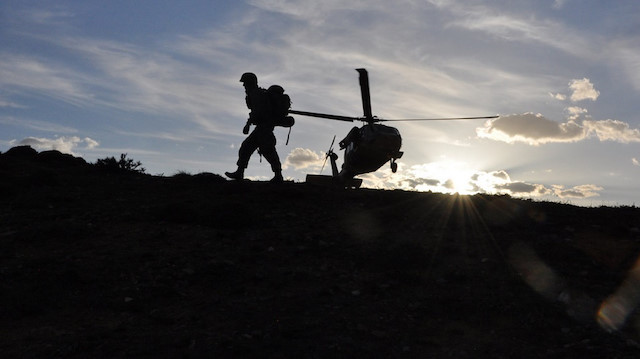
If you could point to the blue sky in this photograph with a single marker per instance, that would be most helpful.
(159, 81)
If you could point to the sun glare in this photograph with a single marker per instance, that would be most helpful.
(446, 177)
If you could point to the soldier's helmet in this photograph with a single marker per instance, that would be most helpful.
(249, 77)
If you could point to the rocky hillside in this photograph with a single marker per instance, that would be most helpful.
(105, 261)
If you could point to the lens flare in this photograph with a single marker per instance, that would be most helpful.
(615, 310)
(535, 272)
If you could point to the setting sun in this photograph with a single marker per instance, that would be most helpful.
(446, 176)
(450, 176)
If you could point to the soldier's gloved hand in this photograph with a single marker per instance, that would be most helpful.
(246, 128)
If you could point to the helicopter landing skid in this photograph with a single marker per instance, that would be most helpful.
(330, 181)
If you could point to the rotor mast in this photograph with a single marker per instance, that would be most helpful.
(366, 95)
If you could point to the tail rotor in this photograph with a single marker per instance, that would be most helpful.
(328, 154)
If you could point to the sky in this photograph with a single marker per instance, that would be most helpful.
(159, 81)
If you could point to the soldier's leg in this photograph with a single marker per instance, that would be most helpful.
(248, 146)
(268, 150)
(272, 157)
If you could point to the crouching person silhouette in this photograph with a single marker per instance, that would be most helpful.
(262, 137)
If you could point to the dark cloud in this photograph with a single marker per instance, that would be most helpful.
(535, 129)
(582, 191)
(521, 188)
(531, 128)
(449, 184)
(415, 182)
(570, 194)
(503, 175)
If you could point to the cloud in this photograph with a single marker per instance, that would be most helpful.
(45, 77)
(300, 158)
(626, 57)
(580, 89)
(575, 112)
(311, 10)
(487, 181)
(503, 175)
(189, 76)
(36, 125)
(612, 130)
(415, 182)
(535, 129)
(559, 4)
(583, 90)
(635, 161)
(91, 143)
(523, 189)
(9, 104)
(582, 191)
(498, 23)
(530, 128)
(62, 144)
(48, 16)
(500, 182)
(127, 77)
(454, 177)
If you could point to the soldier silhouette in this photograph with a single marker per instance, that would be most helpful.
(262, 137)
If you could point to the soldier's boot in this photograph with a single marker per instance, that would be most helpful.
(237, 175)
(277, 178)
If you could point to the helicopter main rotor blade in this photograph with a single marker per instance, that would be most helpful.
(324, 115)
(366, 95)
(439, 119)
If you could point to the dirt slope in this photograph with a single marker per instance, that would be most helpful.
(117, 264)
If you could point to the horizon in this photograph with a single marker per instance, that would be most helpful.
(132, 166)
(160, 82)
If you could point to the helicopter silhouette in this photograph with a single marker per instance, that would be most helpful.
(367, 148)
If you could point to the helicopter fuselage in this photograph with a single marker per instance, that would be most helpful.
(368, 148)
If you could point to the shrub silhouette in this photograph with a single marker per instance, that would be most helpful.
(123, 165)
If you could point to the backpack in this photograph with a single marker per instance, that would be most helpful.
(280, 104)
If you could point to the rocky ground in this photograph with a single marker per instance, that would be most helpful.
(100, 262)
